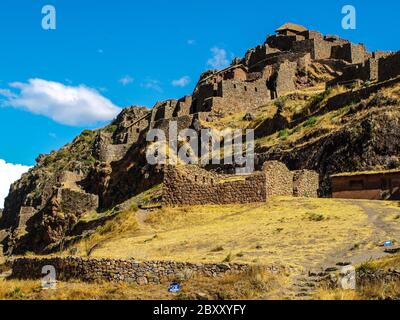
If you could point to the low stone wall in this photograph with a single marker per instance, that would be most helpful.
(90, 270)
(347, 98)
(190, 185)
(377, 276)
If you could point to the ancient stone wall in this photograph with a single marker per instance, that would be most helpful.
(200, 95)
(389, 67)
(130, 122)
(190, 185)
(285, 81)
(283, 42)
(183, 107)
(90, 270)
(164, 110)
(317, 47)
(309, 34)
(305, 183)
(183, 122)
(256, 54)
(279, 180)
(25, 214)
(350, 97)
(238, 96)
(106, 151)
(77, 202)
(353, 53)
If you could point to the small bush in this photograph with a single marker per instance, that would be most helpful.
(310, 122)
(218, 249)
(280, 104)
(228, 258)
(284, 134)
(315, 217)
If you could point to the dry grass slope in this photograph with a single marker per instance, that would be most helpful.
(284, 231)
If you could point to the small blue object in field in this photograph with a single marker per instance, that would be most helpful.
(388, 243)
(174, 287)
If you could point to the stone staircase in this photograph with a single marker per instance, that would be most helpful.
(305, 284)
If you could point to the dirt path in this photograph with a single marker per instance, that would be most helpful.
(384, 226)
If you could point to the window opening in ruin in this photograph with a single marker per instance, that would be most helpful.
(272, 86)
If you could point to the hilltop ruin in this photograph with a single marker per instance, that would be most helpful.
(103, 168)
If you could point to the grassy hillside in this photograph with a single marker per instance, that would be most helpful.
(288, 231)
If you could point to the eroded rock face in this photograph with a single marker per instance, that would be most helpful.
(50, 199)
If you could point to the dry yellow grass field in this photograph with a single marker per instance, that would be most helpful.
(292, 232)
(255, 284)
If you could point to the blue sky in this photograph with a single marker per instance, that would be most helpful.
(139, 52)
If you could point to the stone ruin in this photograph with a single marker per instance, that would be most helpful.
(278, 66)
(377, 67)
(267, 72)
(67, 201)
(191, 185)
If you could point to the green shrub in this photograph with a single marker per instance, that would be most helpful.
(310, 122)
(284, 134)
(315, 217)
(280, 104)
(111, 128)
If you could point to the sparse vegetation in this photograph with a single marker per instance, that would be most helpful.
(310, 122)
(122, 225)
(209, 233)
(257, 283)
(378, 290)
(284, 134)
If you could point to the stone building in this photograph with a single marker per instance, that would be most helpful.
(376, 67)
(111, 145)
(191, 185)
(269, 71)
(374, 185)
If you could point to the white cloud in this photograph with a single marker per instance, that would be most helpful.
(191, 42)
(9, 173)
(182, 82)
(219, 59)
(68, 105)
(152, 84)
(125, 80)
